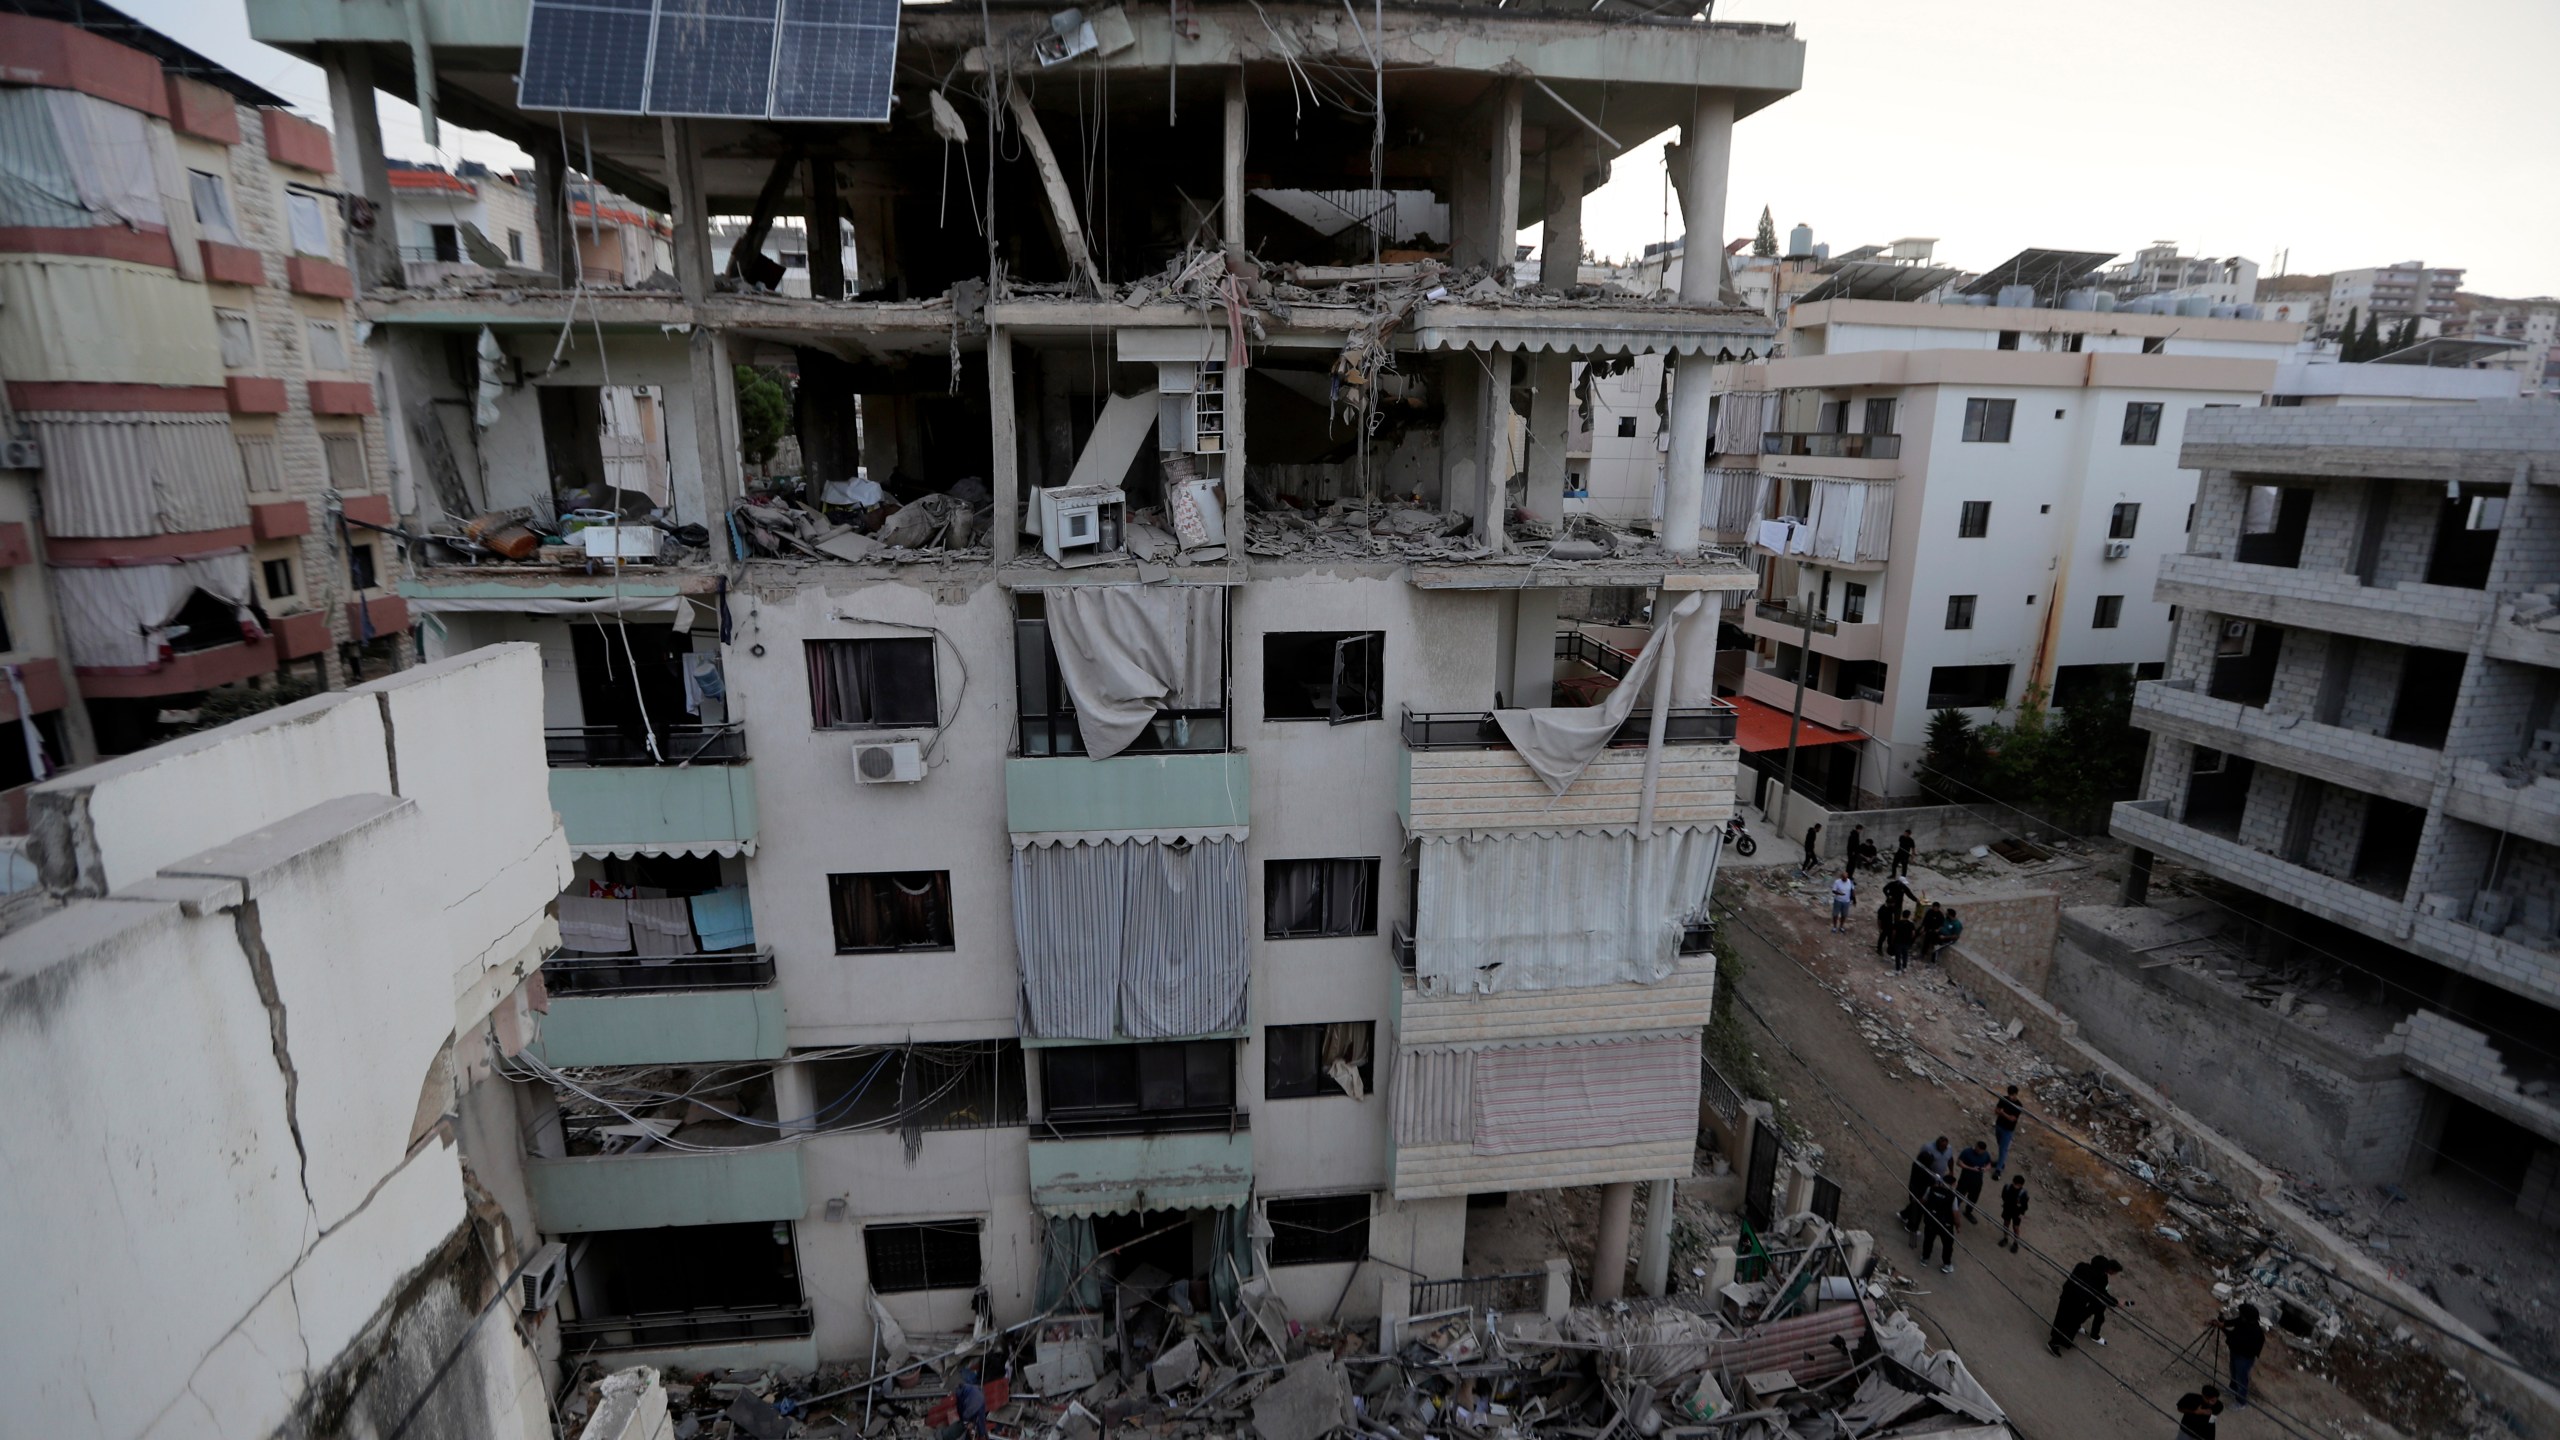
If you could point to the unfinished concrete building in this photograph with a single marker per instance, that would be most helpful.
(2356, 732)
(1130, 811)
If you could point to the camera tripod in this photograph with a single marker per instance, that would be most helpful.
(2204, 1351)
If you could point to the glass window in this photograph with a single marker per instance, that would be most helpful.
(1298, 1060)
(935, 1255)
(893, 910)
(213, 207)
(2110, 613)
(1960, 612)
(1975, 522)
(1968, 687)
(1626, 427)
(239, 339)
(2122, 520)
(855, 684)
(1323, 675)
(328, 346)
(1853, 603)
(2142, 422)
(515, 246)
(278, 575)
(1318, 1229)
(1307, 898)
(1987, 421)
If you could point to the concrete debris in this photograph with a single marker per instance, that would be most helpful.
(1311, 1400)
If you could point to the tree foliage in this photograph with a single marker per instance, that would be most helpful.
(764, 414)
(1766, 242)
(2068, 766)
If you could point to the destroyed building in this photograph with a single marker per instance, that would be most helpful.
(2352, 737)
(1129, 809)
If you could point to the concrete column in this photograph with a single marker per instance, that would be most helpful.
(1004, 452)
(1533, 648)
(875, 250)
(1395, 1301)
(1493, 444)
(1560, 252)
(1706, 153)
(550, 215)
(692, 227)
(1653, 1258)
(361, 166)
(1609, 1255)
(826, 222)
(1550, 430)
(714, 387)
(1231, 176)
(879, 436)
(1723, 1266)
(1462, 433)
(795, 1098)
(1503, 241)
(1559, 1292)
(2137, 879)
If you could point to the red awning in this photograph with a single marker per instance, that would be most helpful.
(1762, 726)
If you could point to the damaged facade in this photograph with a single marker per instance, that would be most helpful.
(1130, 818)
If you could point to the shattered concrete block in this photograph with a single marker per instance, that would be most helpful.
(630, 1405)
(1175, 1367)
(1311, 1399)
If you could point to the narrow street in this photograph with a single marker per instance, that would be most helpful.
(1870, 1116)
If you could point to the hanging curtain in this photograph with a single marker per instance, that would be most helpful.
(1069, 907)
(1435, 1096)
(109, 151)
(662, 928)
(1131, 938)
(1128, 651)
(1560, 742)
(137, 473)
(37, 186)
(1344, 1054)
(1231, 1261)
(116, 617)
(1542, 912)
(1628, 1091)
(1070, 1278)
(1320, 897)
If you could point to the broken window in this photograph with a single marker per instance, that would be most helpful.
(213, 207)
(862, 684)
(1318, 1229)
(444, 242)
(1326, 675)
(1115, 1089)
(1987, 421)
(1974, 521)
(1968, 687)
(932, 1255)
(1047, 709)
(961, 1085)
(2244, 665)
(2141, 422)
(2467, 536)
(1853, 603)
(683, 1285)
(1960, 611)
(1298, 1061)
(278, 578)
(1626, 427)
(2422, 712)
(1304, 898)
(899, 910)
(2008, 341)
(361, 574)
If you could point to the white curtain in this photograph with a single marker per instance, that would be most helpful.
(1131, 938)
(1851, 520)
(1741, 498)
(37, 187)
(1743, 418)
(1561, 741)
(116, 616)
(1549, 911)
(130, 473)
(1625, 1090)
(110, 153)
(1128, 651)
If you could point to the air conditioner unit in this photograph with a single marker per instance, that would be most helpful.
(900, 762)
(2118, 549)
(539, 1285)
(619, 542)
(1084, 524)
(21, 454)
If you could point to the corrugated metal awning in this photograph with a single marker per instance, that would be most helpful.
(1588, 331)
(697, 849)
(1028, 839)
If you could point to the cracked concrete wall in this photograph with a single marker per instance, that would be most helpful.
(244, 1228)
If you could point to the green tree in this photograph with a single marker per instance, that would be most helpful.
(2369, 339)
(2095, 755)
(2347, 336)
(764, 414)
(1956, 759)
(1766, 242)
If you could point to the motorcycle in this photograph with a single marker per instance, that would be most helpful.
(1739, 838)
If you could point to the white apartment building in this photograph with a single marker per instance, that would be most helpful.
(2158, 269)
(1985, 493)
(2408, 290)
(436, 211)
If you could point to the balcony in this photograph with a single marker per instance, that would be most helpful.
(614, 800)
(2468, 1063)
(1839, 712)
(2359, 761)
(1459, 773)
(698, 1010)
(2437, 617)
(2147, 823)
(638, 1192)
(1104, 1174)
(1476, 730)
(1828, 446)
(1190, 792)
(1839, 639)
(675, 1328)
(2485, 797)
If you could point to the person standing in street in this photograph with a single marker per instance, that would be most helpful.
(1973, 1166)
(1929, 919)
(2198, 1413)
(1927, 1168)
(1885, 912)
(1903, 930)
(1938, 1210)
(2085, 1301)
(1844, 893)
(1902, 850)
(1812, 849)
(2004, 1128)
(2013, 1211)
(1850, 856)
(2246, 1339)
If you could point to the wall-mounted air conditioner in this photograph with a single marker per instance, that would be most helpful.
(1084, 524)
(21, 454)
(898, 762)
(539, 1286)
(2118, 549)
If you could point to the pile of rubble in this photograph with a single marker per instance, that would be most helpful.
(859, 521)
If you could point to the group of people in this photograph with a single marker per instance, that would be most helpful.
(1945, 1190)
(1859, 851)
(1904, 921)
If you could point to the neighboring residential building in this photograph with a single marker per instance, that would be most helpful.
(199, 412)
(2158, 269)
(1985, 493)
(255, 1013)
(986, 968)
(2355, 731)
(619, 242)
(433, 208)
(786, 244)
(2409, 290)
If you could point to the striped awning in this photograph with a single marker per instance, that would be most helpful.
(696, 849)
(136, 473)
(1572, 1096)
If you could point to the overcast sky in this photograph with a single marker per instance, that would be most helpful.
(2346, 132)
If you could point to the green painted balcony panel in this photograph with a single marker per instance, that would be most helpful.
(1118, 1174)
(1205, 791)
(639, 1192)
(699, 809)
(675, 1027)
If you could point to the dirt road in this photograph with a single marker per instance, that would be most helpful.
(1870, 1116)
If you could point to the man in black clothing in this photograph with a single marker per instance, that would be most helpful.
(2246, 1339)
(1885, 914)
(1902, 849)
(1812, 852)
(2013, 1211)
(1973, 1166)
(1938, 1208)
(2197, 1414)
(2004, 1128)
(2084, 1301)
(1926, 1169)
(1903, 930)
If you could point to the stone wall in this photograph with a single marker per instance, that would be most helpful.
(2014, 933)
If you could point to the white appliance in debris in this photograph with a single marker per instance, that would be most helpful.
(1084, 524)
(899, 762)
(539, 1286)
(620, 542)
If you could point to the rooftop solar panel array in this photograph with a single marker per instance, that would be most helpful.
(735, 59)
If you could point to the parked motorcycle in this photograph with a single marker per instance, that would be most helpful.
(1738, 837)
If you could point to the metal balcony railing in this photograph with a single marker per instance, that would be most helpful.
(1607, 659)
(1517, 1291)
(632, 975)
(1400, 944)
(1475, 729)
(1822, 444)
(1780, 613)
(677, 745)
(1203, 1120)
(686, 1327)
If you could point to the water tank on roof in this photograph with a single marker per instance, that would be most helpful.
(2196, 306)
(2226, 312)
(2247, 312)
(2017, 297)
(2080, 300)
(1822, 251)
(2106, 301)
(1800, 241)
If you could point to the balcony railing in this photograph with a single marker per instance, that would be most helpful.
(1476, 730)
(1519, 1290)
(1204, 1120)
(1607, 659)
(1822, 444)
(1780, 613)
(1400, 943)
(677, 745)
(686, 1327)
(631, 975)
(1697, 936)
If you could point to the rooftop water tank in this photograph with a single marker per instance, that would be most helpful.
(1800, 241)
(2017, 297)
(2248, 312)
(2196, 306)
(2106, 301)
(2226, 312)
(2080, 300)
(1822, 251)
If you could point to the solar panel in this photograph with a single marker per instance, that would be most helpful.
(586, 55)
(836, 60)
(738, 59)
(2050, 271)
